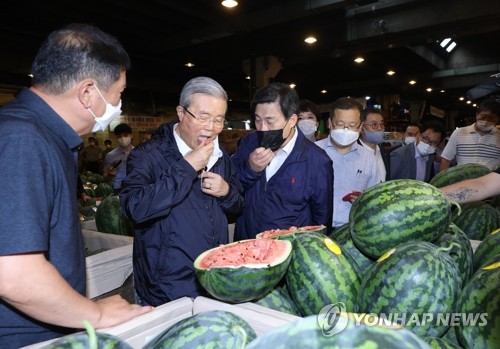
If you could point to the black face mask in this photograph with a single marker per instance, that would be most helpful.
(272, 139)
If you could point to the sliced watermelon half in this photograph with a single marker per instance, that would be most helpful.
(243, 271)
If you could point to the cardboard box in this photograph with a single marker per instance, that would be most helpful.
(107, 270)
(142, 329)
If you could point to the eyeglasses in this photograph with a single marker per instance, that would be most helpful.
(427, 140)
(375, 125)
(218, 121)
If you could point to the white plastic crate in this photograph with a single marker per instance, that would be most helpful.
(107, 270)
(142, 329)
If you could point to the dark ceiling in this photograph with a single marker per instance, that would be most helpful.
(265, 39)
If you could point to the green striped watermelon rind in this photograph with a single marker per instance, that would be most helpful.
(210, 329)
(461, 252)
(477, 219)
(413, 278)
(487, 248)
(458, 173)
(321, 273)
(244, 283)
(110, 218)
(279, 299)
(481, 296)
(313, 332)
(397, 211)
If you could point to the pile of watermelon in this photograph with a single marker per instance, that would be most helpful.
(97, 190)
(405, 256)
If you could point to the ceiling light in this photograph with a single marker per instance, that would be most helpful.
(474, 105)
(30, 75)
(451, 47)
(428, 89)
(469, 102)
(324, 91)
(442, 91)
(412, 82)
(229, 3)
(445, 42)
(292, 85)
(359, 60)
(310, 40)
(247, 77)
(367, 98)
(390, 72)
(189, 64)
(461, 98)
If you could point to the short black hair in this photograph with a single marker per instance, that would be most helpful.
(122, 128)
(286, 96)
(434, 125)
(370, 110)
(346, 103)
(107, 141)
(490, 105)
(307, 105)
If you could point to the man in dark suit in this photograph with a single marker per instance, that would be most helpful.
(415, 160)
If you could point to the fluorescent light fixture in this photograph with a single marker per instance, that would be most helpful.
(359, 60)
(391, 72)
(310, 40)
(445, 42)
(229, 3)
(451, 46)
(189, 64)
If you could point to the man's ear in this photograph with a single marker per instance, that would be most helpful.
(180, 112)
(84, 92)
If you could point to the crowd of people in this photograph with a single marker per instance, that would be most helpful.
(179, 186)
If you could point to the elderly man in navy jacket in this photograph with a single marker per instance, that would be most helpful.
(287, 178)
(179, 187)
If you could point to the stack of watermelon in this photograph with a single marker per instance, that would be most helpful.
(399, 254)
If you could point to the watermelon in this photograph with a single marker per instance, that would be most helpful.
(321, 273)
(440, 343)
(314, 332)
(279, 299)
(89, 339)
(103, 189)
(342, 236)
(210, 329)
(479, 302)
(110, 218)
(461, 250)
(477, 219)
(414, 279)
(290, 233)
(397, 211)
(287, 234)
(458, 173)
(245, 270)
(487, 249)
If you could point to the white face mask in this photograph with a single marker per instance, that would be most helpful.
(124, 141)
(111, 113)
(409, 140)
(308, 127)
(425, 149)
(374, 137)
(344, 136)
(484, 125)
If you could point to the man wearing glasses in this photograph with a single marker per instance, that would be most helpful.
(416, 160)
(372, 134)
(179, 187)
(354, 167)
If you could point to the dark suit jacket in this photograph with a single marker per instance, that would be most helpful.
(404, 164)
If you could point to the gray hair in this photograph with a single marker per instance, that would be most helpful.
(201, 84)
